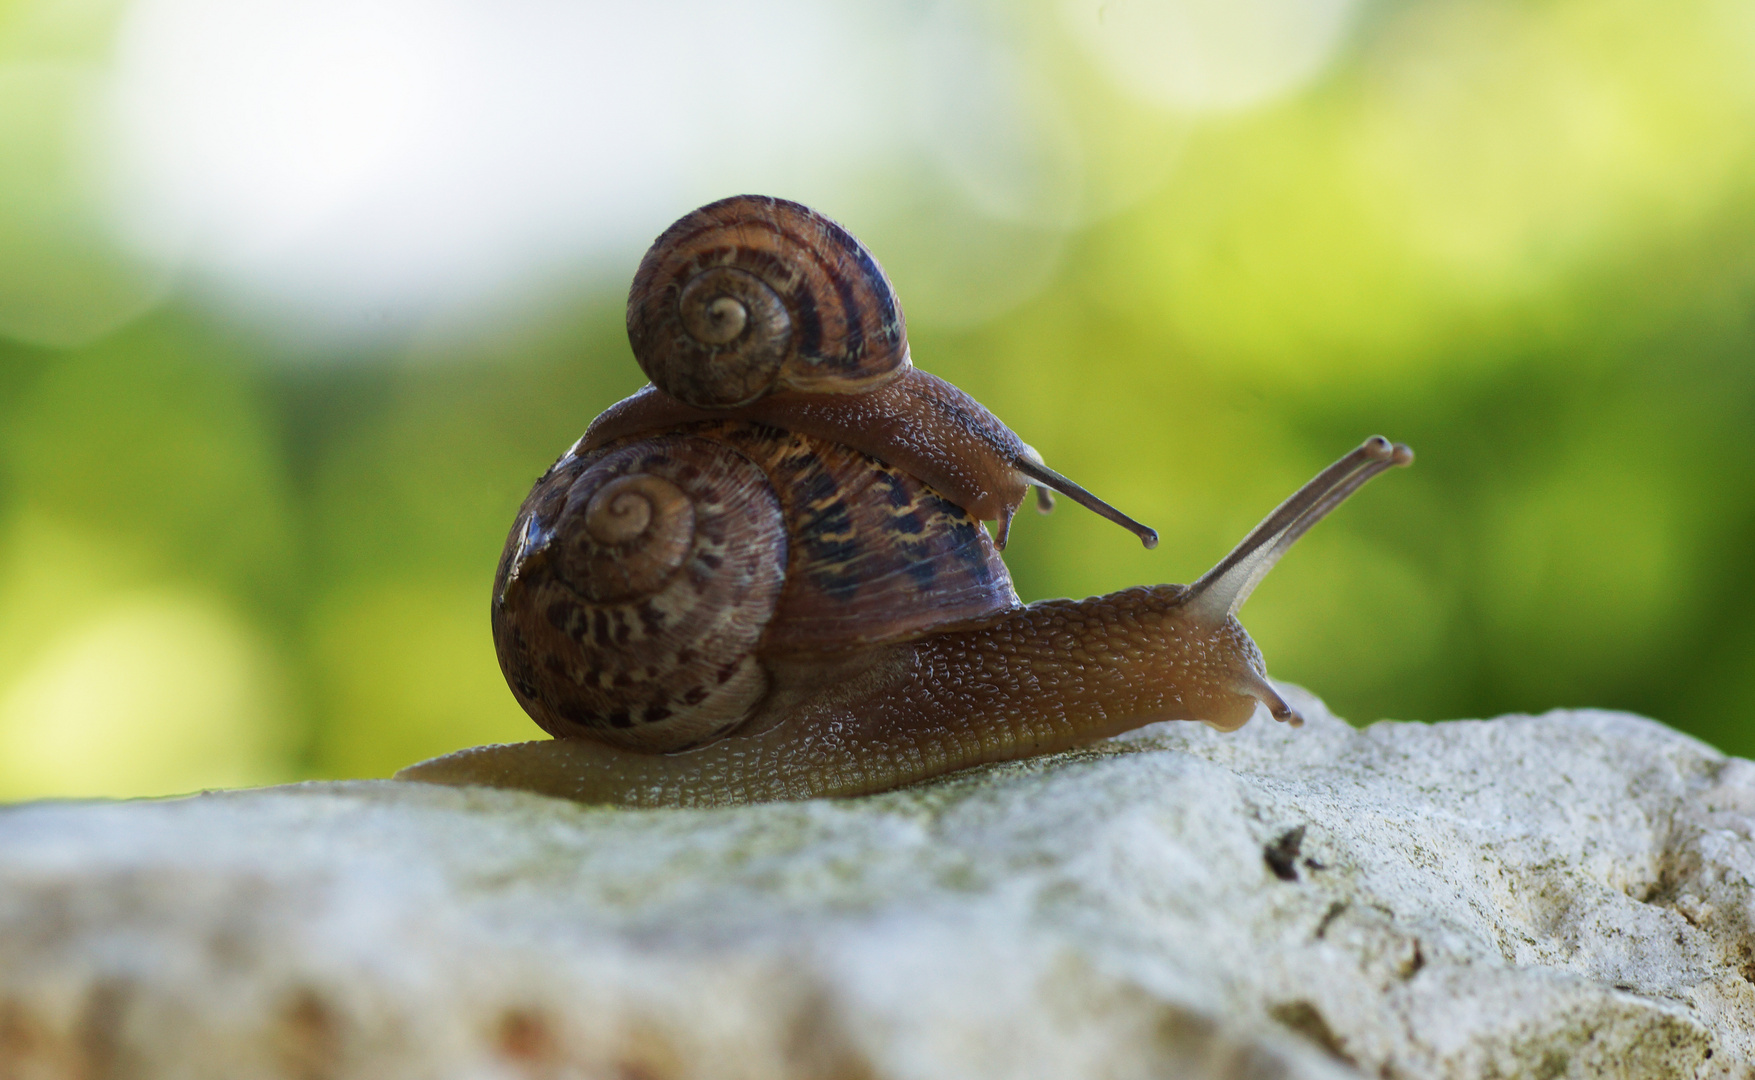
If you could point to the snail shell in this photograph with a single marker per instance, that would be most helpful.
(750, 295)
(755, 308)
(647, 584)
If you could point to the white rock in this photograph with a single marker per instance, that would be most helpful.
(1564, 895)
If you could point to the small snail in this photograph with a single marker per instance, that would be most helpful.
(764, 576)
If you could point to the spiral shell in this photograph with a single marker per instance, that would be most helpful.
(633, 592)
(752, 294)
(645, 582)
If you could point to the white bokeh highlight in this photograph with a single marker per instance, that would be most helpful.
(1211, 56)
(348, 163)
(344, 171)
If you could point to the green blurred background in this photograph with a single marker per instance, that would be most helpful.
(297, 299)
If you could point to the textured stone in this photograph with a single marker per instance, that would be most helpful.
(1564, 895)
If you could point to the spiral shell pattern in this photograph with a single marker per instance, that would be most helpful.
(647, 583)
(633, 590)
(753, 294)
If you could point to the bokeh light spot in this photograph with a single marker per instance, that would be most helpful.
(159, 694)
(1211, 55)
(412, 675)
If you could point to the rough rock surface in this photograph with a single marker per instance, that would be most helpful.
(1563, 895)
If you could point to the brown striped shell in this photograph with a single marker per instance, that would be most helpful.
(645, 582)
(753, 294)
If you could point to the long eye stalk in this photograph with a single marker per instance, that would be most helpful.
(1222, 590)
(1047, 479)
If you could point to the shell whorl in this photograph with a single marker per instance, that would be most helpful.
(753, 294)
(634, 589)
(626, 537)
(647, 584)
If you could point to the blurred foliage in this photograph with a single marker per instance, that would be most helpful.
(1519, 237)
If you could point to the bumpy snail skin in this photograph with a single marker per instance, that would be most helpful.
(1048, 677)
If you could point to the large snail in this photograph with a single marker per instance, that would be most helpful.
(764, 575)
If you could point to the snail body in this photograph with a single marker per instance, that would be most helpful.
(764, 576)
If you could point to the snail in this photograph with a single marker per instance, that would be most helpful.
(764, 575)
